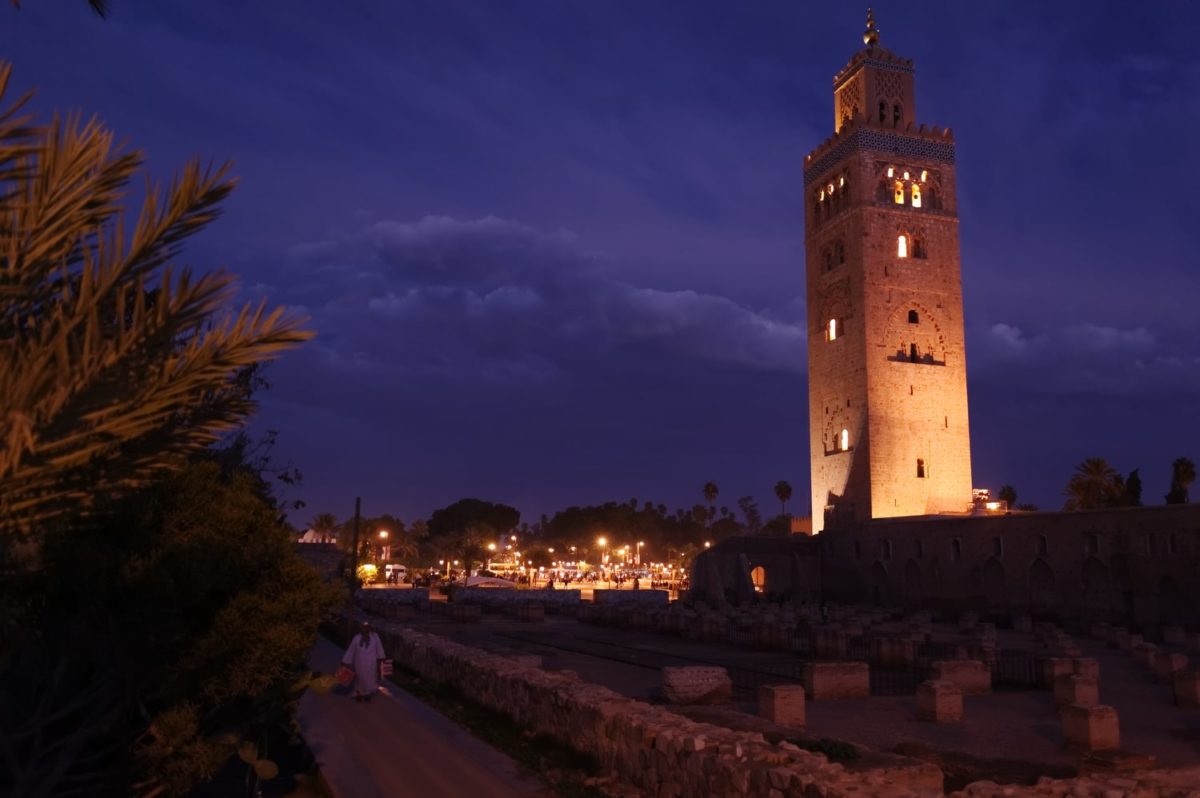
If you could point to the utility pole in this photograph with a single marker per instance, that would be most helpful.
(354, 544)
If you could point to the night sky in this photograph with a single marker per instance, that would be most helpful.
(553, 250)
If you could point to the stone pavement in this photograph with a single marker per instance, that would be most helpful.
(398, 746)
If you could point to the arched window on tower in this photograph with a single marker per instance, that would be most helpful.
(882, 112)
(827, 259)
(839, 253)
(916, 195)
(844, 440)
(918, 247)
(833, 329)
(914, 317)
(912, 353)
(920, 468)
(898, 193)
(896, 114)
(902, 247)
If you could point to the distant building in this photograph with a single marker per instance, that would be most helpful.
(890, 448)
(888, 426)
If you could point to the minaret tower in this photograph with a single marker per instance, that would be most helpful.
(887, 396)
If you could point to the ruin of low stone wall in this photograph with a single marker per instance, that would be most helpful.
(656, 750)
(503, 598)
(632, 598)
(373, 598)
(669, 755)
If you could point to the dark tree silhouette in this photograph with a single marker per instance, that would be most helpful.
(1183, 474)
(783, 492)
(1094, 485)
(1007, 493)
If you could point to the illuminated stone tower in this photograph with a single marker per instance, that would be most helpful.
(888, 429)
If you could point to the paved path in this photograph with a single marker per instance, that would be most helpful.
(397, 746)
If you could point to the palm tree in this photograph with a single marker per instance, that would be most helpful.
(99, 6)
(783, 492)
(324, 524)
(710, 495)
(112, 365)
(1183, 474)
(1094, 484)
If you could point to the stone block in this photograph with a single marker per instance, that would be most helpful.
(939, 701)
(696, 684)
(1085, 666)
(1144, 653)
(782, 703)
(972, 676)
(1091, 728)
(1053, 667)
(1186, 687)
(1083, 691)
(830, 680)
(1167, 665)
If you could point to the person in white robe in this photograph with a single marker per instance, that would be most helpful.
(363, 657)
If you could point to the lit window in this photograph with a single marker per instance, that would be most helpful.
(821, 197)
(899, 193)
(841, 181)
(906, 175)
(833, 329)
(902, 247)
(758, 578)
(916, 195)
(830, 187)
(924, 174)
(844, 440)
(891, 172)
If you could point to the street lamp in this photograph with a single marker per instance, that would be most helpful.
(639, 552)
(383, 549)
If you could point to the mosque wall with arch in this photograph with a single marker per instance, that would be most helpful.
(1138, 566)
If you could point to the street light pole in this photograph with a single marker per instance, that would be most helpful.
(354, 543)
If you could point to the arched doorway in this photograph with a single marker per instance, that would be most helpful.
(1042, 593)
(913, 594)
(1173, 607)
(879, 594)
(1096, 600)
(995, 593)
(758, 578)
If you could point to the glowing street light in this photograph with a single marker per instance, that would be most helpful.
(639, 552)
(707, 543)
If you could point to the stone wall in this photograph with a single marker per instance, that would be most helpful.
(1130, 566)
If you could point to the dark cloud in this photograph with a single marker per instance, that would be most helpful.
(410, 172)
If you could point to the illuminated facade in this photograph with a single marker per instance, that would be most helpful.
(888, 425)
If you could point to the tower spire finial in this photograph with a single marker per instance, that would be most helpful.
(871, 34)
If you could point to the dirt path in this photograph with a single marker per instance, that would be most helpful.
(395, 745)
